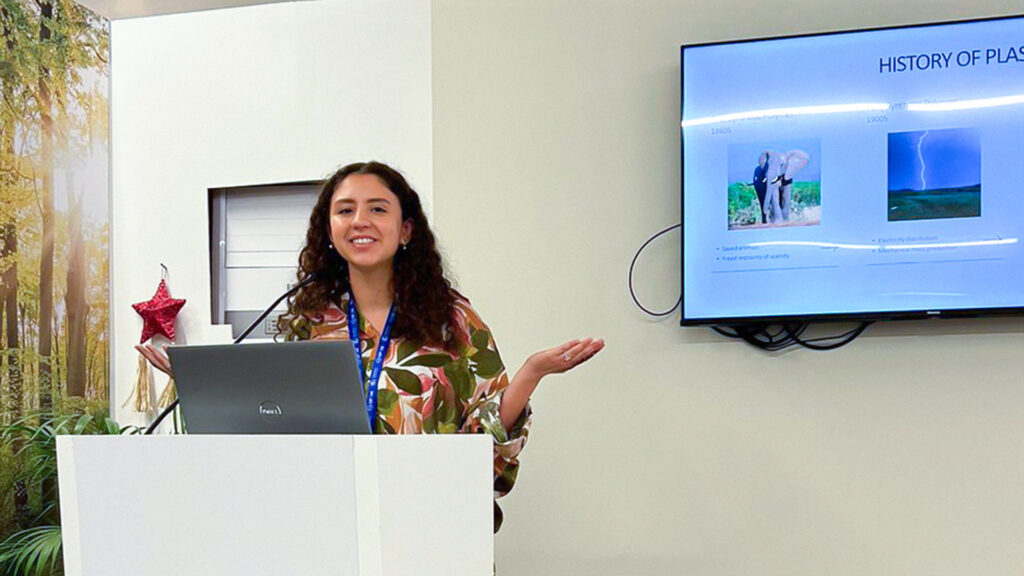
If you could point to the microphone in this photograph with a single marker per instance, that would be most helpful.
(313, 277)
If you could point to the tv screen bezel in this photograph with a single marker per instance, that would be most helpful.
(919, 314)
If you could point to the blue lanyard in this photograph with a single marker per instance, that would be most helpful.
(369, 385)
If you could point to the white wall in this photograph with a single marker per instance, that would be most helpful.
(263, 94)
(676, 451)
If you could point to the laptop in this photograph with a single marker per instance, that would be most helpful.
(270, 388)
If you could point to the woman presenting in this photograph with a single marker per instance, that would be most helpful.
(429, 361)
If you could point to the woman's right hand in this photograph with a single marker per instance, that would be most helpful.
(157, 357)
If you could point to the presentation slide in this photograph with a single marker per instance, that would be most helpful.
(855, 173)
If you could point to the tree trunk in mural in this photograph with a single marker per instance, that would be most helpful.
(74, 299)
(9, 277)
(10, 312)
(8, 257)
(46, 207)
(10, 307)
(14, 379)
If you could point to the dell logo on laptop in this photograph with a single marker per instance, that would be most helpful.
(270, 411)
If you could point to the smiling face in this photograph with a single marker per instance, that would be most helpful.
(366, 223)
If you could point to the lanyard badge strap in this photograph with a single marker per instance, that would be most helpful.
(371, 383)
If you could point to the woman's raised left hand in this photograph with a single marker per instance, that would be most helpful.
(563, 357)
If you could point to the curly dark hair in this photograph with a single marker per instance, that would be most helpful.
(424, 299)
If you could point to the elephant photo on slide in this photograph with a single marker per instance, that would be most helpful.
(786, 188)
(773, 182)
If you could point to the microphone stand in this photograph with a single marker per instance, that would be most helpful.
(306, 282)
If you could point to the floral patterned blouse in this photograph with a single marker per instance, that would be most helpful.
(427, 390)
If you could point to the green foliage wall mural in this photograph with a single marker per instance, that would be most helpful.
(54, 239)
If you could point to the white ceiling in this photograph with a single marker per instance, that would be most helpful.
(116, 9)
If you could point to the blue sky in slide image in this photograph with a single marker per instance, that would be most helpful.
(934, 159)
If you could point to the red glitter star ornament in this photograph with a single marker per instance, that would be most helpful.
(158, 313)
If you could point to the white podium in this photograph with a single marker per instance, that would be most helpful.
(276, 505)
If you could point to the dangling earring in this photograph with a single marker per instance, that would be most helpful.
(330, 246)
(404, 246)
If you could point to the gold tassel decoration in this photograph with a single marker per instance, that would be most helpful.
(169, 394)
(143, 393)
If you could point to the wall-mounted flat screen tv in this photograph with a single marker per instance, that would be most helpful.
(855, 175)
